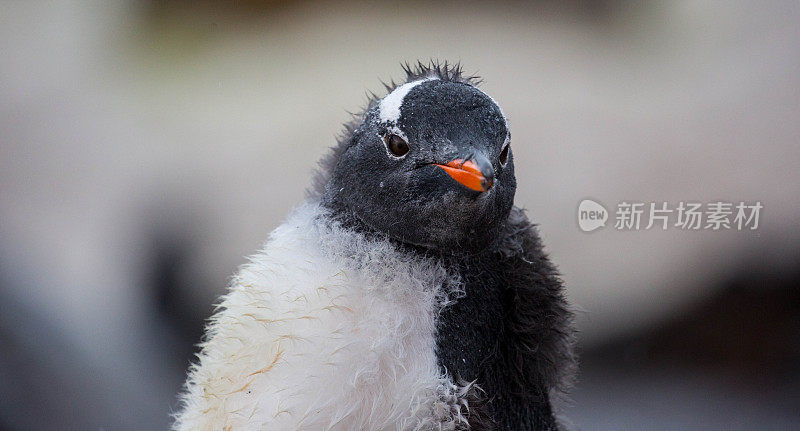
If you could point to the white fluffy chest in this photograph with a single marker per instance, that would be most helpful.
(324, 329)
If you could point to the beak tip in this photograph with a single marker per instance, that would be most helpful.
(468, 174)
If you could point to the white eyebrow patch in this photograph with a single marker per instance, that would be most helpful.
(389, 108)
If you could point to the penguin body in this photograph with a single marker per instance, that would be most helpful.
(406, 293)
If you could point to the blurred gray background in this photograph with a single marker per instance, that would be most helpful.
(146, 147)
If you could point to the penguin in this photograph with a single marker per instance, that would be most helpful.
(407, 292)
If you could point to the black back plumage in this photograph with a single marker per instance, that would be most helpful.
(511, 332)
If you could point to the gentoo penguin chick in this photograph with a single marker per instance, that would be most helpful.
(406, 293)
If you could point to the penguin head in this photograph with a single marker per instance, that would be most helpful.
(429, 164)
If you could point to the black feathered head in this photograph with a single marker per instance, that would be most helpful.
(428, 164)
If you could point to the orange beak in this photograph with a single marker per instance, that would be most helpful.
(468, 174)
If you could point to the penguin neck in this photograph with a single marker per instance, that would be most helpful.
(486, 243)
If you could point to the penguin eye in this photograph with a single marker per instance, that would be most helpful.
(504, 155)
(397, 145)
